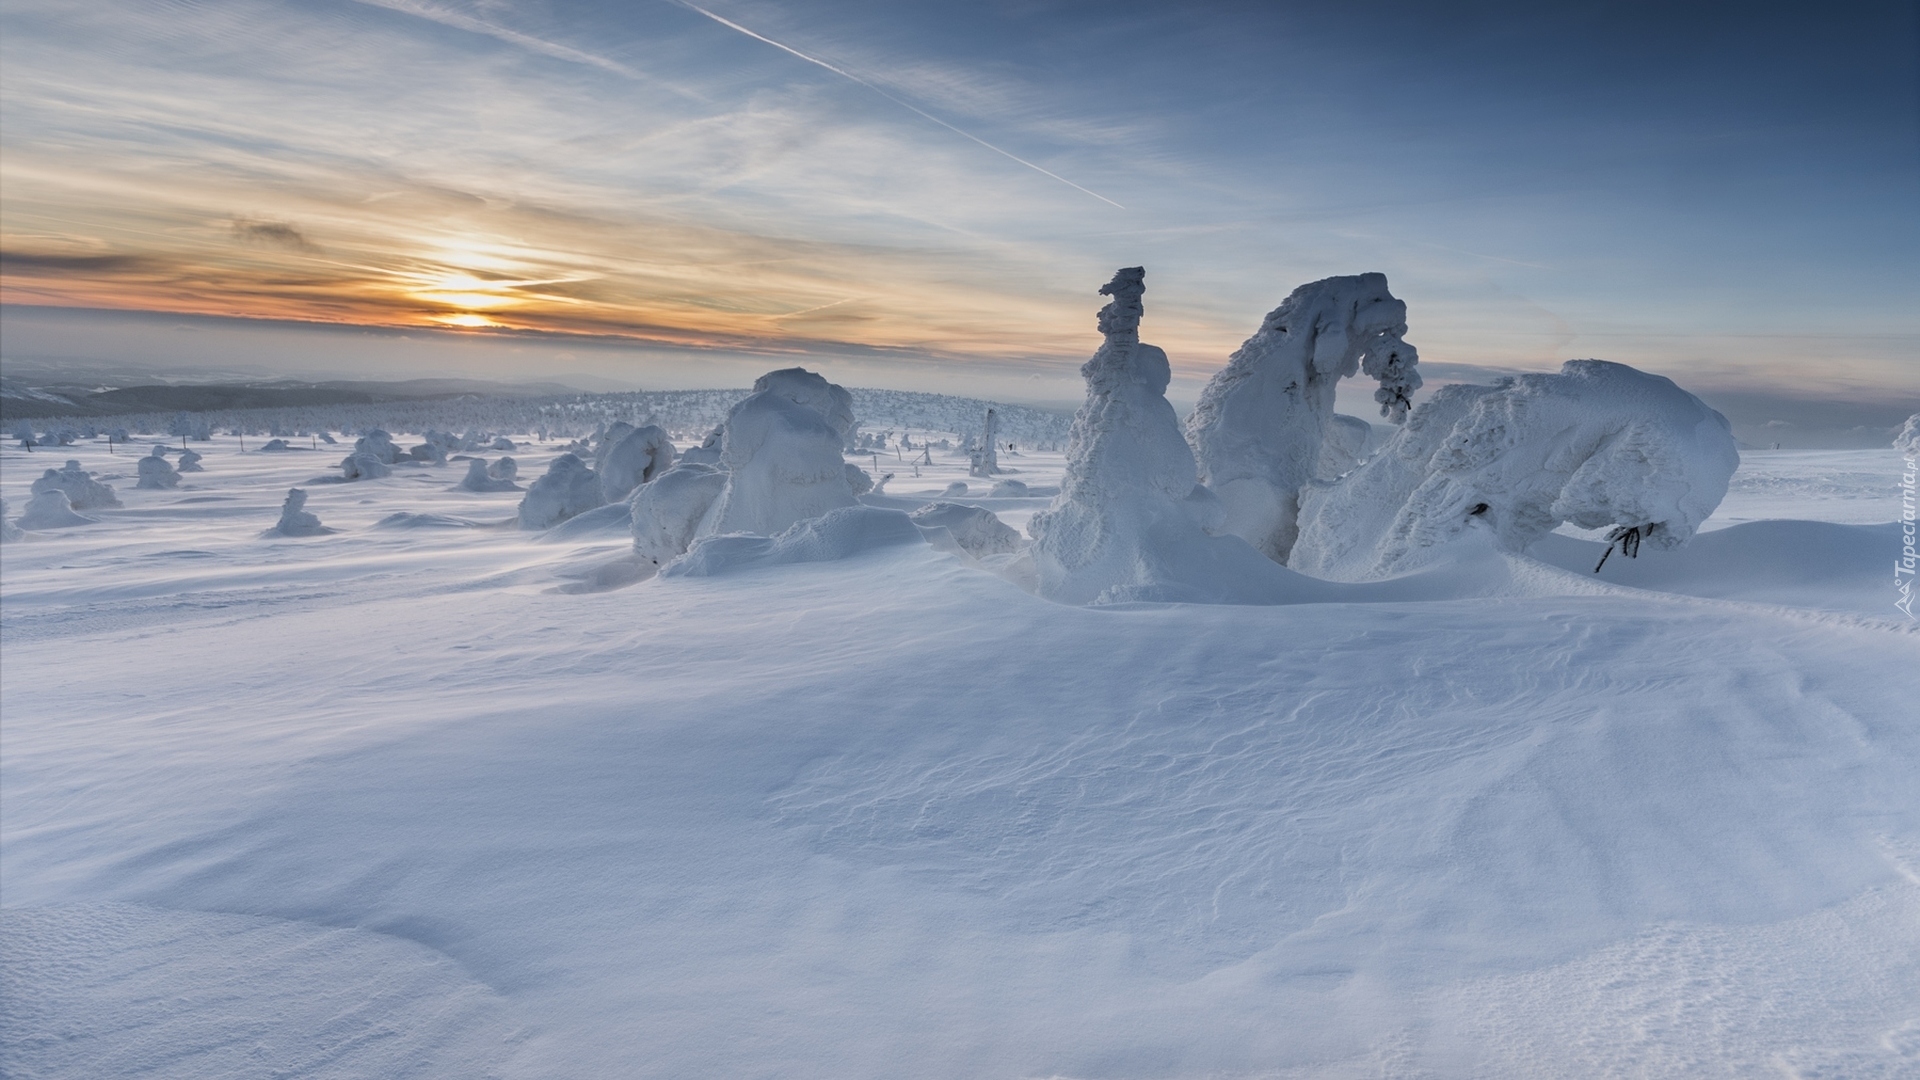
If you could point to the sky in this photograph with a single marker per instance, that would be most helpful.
(928, 196)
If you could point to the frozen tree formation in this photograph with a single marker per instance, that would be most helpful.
(1908, 440)
(379, 445)
(8, 530)
(296, 519)
(480, 477)
(189, 462)
(985, 458)
(156, 472)
(778, 462)
(50, 509)
(1599, 445)
(569, 488)
(504, 469)
(1265, 421)
(975, 530)
(83, 492)
(634, 457)
(667, 513)
(1124, 526)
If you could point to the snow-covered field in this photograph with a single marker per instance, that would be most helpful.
(387, 802)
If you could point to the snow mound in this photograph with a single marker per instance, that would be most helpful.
(639, 456)
(1010, 489)
(189, 462)
(569, 488)
(1908, 440)
(296, 519)
(1265, 420)
(156, 473)
(8, 530)
(783, 463)
(361, 465)
(1120, 529)
(838, 534)
(667, 513)
(480, 478)
(504, 469)
(275, 446)
(974, 530)
(408, 520)
(708, 452)
(83, 492)
(859, 480)
(802, 387)
(433, 453)
(1597, 445)
(955, 489)
(51, 509)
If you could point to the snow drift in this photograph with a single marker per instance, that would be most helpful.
(1123, 527)
(8, 530)
(83, 492)
(1265, 421)
(973, 529)
(838, 534)
(1598, 445)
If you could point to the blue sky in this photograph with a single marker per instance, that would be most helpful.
(1728, 194)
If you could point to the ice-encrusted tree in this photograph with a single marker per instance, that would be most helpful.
(1599, 445)
(1127, 524)
(1265, 421)
(156, 472)
(569, 488)
(83, 492)
(296, 519)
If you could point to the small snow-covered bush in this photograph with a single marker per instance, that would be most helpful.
(504, 469)
(480, 478)
(569, 488)
(50, 509)
(156, 472)
(275, 446)
(83, 492)
(296, 519)
(378, 445)
(189, 462)
(361, 465)
(1598, 445)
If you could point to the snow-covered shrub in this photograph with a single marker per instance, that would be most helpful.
(1264, 420)
(378, 445)
(1120, 528)
(975, 530)
(431, 452)
(858, 479)
(50, 509)
(1598, 445)
(296, 519)
(156, 472)
(569, 488)
(274, 446)
(8, 530)
(361, 465)
(23, 431)
(502, 443)
(189, 462)
(667, 512)
(782, 459)
(504, 469)
(479, 478)
(83, 492)
(636, 457)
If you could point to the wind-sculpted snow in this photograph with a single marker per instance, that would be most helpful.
(803, 387)
(8, 530)
(973, 529)
(361, 465)
(1121, 529)
(1598, 445)
(156, 472)
(190, 462)
(83, 492)
(568, 488)
(378, 445)
(838, 534)
(1265, 421)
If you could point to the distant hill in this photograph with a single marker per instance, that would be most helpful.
(19, 401)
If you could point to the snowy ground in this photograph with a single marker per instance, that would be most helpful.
(386, 803)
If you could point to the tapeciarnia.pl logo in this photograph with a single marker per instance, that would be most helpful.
(1903, 567)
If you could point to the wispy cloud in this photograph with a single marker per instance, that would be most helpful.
(272, 233)
(910, 107)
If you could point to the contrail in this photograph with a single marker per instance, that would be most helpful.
(903, 104)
